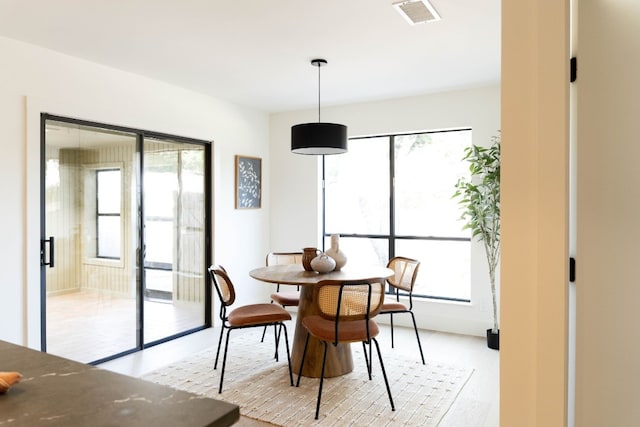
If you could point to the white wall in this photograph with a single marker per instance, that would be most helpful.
(35, 80)
(294, 190)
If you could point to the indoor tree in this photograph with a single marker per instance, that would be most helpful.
(479, 197)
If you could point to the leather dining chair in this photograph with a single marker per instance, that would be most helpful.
(403, 280)
(345, 315)
(247, 316)
(286, 298)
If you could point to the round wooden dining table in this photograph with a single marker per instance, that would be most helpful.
(339, 359)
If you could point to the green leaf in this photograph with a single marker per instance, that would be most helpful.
(479, 200)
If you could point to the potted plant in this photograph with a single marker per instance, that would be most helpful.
(480, 199)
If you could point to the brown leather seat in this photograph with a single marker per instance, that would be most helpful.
(349, 331)
(285, 298)
(256, 314)
(247, 316)
(345, 311)
(403, 280)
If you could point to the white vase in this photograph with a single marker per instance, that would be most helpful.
(334, 252)
(323, 264)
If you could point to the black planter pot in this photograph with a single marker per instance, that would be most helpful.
(493, 340)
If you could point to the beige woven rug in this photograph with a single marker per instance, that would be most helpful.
(260, 386)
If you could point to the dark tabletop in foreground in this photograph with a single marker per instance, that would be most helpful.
(61, 392)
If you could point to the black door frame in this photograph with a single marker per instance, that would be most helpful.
(46, 256)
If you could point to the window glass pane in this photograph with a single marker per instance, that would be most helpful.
(159, 241)
(425, 170)
(159, 280)
(362, 250)
(427, 167)
(193, 170)
(109, 236)
(109, 195)
(444, 267)
(109, 191)
(357, 188)
(159, 194)
(160, 184)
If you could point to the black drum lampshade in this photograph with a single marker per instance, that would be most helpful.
(319, 138)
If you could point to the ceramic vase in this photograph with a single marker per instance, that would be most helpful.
(323, 263)
(308, 254)
(334, 252)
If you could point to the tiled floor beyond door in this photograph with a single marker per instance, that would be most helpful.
(87, 326)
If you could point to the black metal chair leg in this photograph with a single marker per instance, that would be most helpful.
(324, 360)
(276, 338)
(224, 360)
(391, 317)
(366, 358)
(215, 365)
(304, 354)
(384, 374)
(286, 344)
(415, 328)
(370, 359)
(264, 331)
(279, 333)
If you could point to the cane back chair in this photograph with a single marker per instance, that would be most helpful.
(346, 309)
(286, 298)
(405, 271)
(247, 316)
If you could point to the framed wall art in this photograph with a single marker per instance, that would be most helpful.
(248, 182)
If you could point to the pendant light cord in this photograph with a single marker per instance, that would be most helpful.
(319, 92)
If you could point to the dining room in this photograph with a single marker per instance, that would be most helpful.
(289, 217)
(294, 194)
(53, 63)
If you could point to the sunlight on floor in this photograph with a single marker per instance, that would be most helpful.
(87, 326)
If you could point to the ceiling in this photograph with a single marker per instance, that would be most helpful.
(257, 53)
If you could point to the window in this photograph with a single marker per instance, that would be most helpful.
(391, 195)
(108, 209)
(160, 196)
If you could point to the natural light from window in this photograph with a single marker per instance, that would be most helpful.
(391, 196)
(109, 189)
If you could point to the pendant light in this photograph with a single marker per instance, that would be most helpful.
(319, 138)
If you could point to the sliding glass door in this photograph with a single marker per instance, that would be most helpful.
(174, 236)
(124, 238)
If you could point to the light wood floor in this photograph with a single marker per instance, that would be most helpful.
(476, 406)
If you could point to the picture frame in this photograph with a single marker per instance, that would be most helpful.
(248, 182)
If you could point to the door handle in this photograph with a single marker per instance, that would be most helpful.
(43, 260)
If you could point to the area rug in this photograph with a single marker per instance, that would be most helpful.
(260, 386)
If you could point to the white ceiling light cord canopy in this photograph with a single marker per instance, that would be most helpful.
(319, 138)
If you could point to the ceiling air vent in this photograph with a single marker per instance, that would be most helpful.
(417, 11)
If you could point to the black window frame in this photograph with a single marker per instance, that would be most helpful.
(98, 214)
(392, 237)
